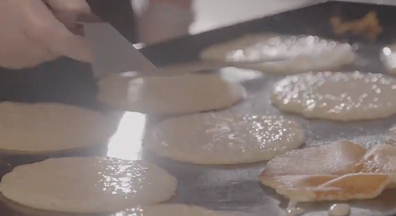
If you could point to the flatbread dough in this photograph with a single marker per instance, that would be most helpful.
(192, 67)
(172, 210)
(169, 95)
(87, 185)
(225, 138)
(304, 54)
(337, 96)
(50, 127)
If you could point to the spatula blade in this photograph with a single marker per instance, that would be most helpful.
(113, 53)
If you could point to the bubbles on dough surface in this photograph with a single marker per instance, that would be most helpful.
(336, 95)
(303, 53)
(87, 185)
(225, 138)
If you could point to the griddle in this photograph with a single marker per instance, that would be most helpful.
(236, 188)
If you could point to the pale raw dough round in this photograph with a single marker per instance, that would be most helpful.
(303, 54)
(337, 96)
(224, 138)
(172, 210)
(87, 185)
(49, 127)
(169, 95)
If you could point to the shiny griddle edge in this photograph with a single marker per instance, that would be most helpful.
(236, 188)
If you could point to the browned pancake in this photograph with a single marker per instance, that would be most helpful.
(339, 171)
(338, 158)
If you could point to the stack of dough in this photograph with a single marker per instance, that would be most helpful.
(303, 54)
(87, 185)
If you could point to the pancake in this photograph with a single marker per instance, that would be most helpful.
(192, 67)
(336, 96)
(224, 138)
(380, 159)
(172, 210)
(49, 127)
(356, 186)
(303, 53)
(87, 185)
(338, 158)
(189, 93)
(339, 171)
(295, 182)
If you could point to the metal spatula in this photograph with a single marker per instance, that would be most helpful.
(113, 53)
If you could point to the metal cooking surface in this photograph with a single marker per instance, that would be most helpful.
(237, 188)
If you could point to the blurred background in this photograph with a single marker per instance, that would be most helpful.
(160, 20)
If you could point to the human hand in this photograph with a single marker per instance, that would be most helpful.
(36, 31)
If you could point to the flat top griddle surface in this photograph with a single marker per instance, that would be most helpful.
(237, 188)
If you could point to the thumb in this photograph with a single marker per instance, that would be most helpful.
(68, 11)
